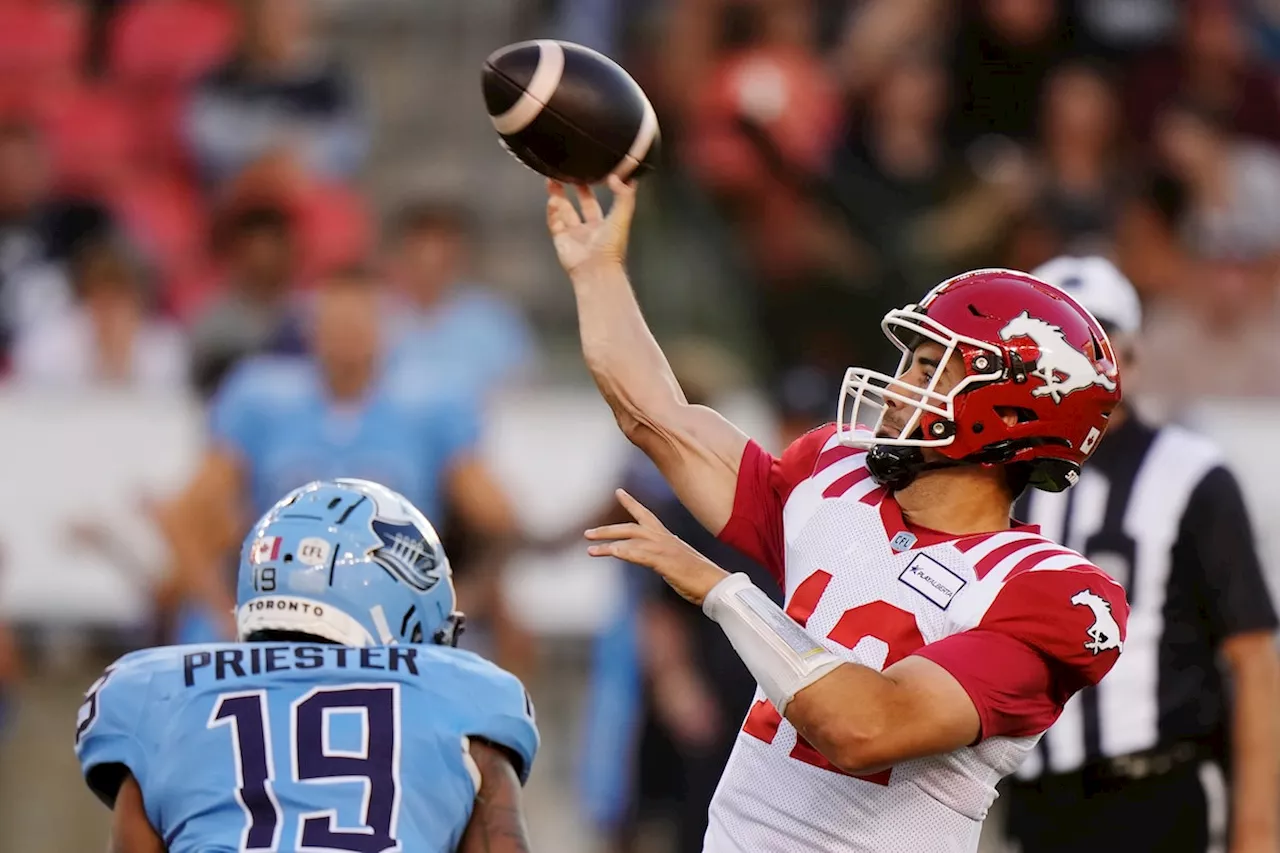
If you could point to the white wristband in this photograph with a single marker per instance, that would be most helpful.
(781, 655)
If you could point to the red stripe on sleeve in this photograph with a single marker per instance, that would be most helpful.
(845, 483)
(1030, 561)
(1005, 551)
(830, 457)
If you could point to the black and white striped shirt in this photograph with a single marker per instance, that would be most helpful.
(1156, 509)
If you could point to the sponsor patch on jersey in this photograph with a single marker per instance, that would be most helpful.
(313, 551)
(265, 550)
(932, 580)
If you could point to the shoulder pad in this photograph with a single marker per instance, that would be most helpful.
(108, 722)
(503, 713)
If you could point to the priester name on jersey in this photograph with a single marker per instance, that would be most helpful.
(930, 640)
(345, 719)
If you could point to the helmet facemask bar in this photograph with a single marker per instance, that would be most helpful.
(908, 328)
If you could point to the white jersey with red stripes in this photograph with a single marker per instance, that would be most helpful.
(1021, 623)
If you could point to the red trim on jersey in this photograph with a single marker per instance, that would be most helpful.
(1008, 549)
(805, 599)
(833, 455)
(874, 496)
(764, 484)
(1010, 683)
(1033, 648)
(970, 542)
(1030, 561)
(845, 483)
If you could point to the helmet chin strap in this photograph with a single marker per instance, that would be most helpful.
(897, 467)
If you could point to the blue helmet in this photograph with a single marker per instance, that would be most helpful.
(348, 561)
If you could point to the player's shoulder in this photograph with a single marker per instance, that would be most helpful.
(816, 450)
(1048, 596)
(494, 703)
(111, 723)
(487, 682)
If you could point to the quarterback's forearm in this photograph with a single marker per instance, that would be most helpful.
(697, 450)
(624, 358)
(859, 719)
(1255, 739)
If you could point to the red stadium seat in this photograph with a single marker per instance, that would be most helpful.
(187, 291)
(165, 216)
(94, 139)
(335, 228)
(170, 42)
(41, 39)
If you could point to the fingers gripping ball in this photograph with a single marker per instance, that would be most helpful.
(569, 113)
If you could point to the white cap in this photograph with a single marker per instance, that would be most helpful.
(1095, 283)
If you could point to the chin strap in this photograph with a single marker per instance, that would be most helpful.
(897, 467)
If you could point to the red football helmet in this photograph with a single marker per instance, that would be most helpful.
(1028, 349)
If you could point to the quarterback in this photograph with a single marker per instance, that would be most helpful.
(928, 640)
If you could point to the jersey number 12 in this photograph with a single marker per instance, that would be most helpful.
(314, 760)
(893, 626)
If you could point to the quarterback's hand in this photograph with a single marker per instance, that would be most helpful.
(590, 238)
(647, 543)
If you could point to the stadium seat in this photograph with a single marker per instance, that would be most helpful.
(170, 42)
(165, 217)
(94, 138)
(38, 40)
(335, 228)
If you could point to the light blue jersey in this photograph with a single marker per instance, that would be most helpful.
(276, 414)
(296, 746)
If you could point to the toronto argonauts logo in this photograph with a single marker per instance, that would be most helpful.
(406, 555)
(1061, 367)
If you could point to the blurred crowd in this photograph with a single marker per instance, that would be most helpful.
(182, 189)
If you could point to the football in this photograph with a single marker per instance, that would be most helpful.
(569, 113)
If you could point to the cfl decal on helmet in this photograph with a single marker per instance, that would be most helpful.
(1061, 367)
(406, 555)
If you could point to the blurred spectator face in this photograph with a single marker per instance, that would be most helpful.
(1188, 142)
(109, 287)
(261, 252)
(1080, 109)
(431, 254)
(912, 93)
(276, 31)
(1021, 21)
(1213, 35)
(346, 328)
(23, 170)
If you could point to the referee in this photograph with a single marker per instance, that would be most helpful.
(1141, 762)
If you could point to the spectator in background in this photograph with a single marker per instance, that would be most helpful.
(108, 337)
(279, 422)
(448, 329)
(909, 194)
(1214, 66)
(37, 232)
(252, 313)
(1233, 183)
(1221, 306)
(280, 92)
(1004, 52)
(1083, 183)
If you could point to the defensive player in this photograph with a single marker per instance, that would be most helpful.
(344, 720)
(931, 641)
